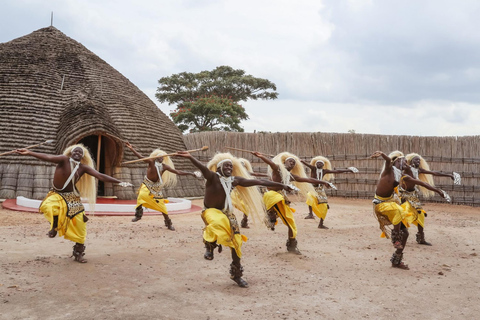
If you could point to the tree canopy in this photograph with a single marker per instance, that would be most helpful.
(209, 100)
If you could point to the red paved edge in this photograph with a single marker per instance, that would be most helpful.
(11, 204)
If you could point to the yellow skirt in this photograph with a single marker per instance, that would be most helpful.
(415, 216)
(146, 199)
(217, 228)
(71, 229)
(391, 211)
(272, 198)
(320, 209)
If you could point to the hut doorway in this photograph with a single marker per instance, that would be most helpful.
(105, 153)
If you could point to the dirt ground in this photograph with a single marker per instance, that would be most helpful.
(144, 271)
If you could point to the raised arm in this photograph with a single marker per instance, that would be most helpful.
(266, 160)
(207, 174)
(134, 151)
(313, 168)
(377, 154)
(43, 156)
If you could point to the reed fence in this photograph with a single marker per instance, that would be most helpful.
(444, 154)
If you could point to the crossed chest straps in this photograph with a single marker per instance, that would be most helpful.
(227, 187)
(320, 177)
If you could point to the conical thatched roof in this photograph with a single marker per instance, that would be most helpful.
(52, 87)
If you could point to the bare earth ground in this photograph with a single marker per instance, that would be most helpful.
(144, 271)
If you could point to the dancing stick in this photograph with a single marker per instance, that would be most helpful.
(165, 155)
(248, 151)
(29, 147)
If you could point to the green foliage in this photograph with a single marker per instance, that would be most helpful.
(209, 100)
(209, 113)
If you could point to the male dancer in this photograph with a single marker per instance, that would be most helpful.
(408, 192)
(386, 209)
(321, 169)
(286, 168)
(74, 177)
(161, 173)
(223, 173)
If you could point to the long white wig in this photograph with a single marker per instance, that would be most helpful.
(326, 165)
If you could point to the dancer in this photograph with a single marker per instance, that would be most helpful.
(387, 210)
(62, 206)
(286, 168)
(223, 173)
(321, 169)
(161, 173)
(421, 169)
(409, 195)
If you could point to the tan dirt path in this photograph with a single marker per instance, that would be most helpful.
(144, 271)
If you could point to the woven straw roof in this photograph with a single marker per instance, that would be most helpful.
(53, 87)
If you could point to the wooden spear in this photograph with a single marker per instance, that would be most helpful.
(165, 155)
(248, 151)
(29, 147)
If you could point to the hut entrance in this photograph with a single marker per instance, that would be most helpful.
(104, 153)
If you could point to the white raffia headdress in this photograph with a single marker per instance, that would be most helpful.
(326, 165)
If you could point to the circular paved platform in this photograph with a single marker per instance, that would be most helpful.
(107, 206)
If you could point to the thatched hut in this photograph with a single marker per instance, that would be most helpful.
(52, 87)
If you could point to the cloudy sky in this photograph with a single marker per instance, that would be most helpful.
(384, 67)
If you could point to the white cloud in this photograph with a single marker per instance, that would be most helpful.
(372, 66)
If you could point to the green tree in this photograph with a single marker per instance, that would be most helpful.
(209, 100)
(209, 113)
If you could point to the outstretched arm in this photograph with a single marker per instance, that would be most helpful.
(266, 160)
(310, 180)
(258, 174)
(99, 176)
(42, 156)
(325, 171)
(410, 179)
(240, 181)
(207, 174)
(178, 172)
(436, 173)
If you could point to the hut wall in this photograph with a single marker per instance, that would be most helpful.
(447, 154)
